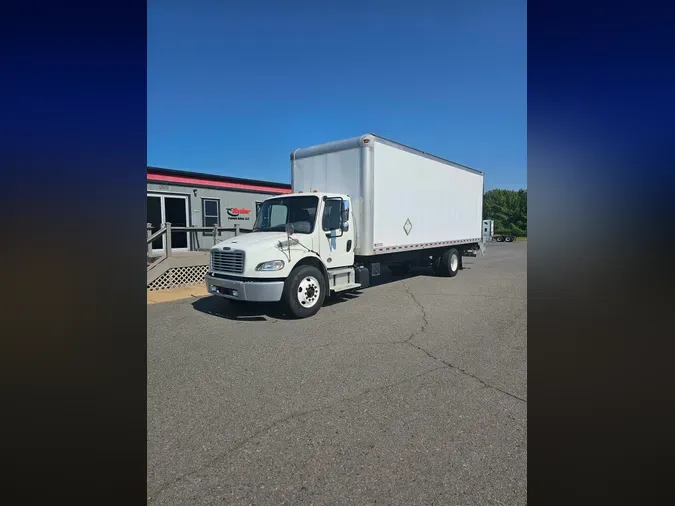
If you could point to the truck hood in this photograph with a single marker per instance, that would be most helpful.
(263, 240)
(246, 241)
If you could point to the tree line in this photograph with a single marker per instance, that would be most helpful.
(508, 209)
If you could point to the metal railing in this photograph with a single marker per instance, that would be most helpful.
(167, 230)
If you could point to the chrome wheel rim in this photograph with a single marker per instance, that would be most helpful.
(454, 262)
(309, 291)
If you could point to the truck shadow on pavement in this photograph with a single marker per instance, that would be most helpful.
(250, 311)
(263, 312)
(256, 311)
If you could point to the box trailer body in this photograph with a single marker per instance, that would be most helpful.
(356, 206)
(402, 198)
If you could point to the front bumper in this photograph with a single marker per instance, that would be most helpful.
(254, 291)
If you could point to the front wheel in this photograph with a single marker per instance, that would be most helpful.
(305, 291)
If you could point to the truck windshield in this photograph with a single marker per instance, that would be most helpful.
(274, 214)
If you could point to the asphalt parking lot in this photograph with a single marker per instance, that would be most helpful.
(412, 392)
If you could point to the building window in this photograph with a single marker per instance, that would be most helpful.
(210, 214)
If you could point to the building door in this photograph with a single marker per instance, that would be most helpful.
(173, 209)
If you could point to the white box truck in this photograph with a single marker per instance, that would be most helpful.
(357, 205)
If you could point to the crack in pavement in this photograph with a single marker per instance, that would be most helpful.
(298, 414)
(423, 329)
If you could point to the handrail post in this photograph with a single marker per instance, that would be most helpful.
(236, 229)
(215, 234)
(167, 243)
(149, 242)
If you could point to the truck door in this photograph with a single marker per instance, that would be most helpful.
(337, 235)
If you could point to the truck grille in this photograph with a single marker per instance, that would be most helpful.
(227, 261)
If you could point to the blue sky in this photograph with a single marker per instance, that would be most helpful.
(233, 89)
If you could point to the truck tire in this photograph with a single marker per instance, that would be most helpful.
(508, 238)
(499, 238)
(304, 291)
(449, 263)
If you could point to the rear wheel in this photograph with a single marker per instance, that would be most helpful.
(305, 291)
(449, 263)
(509, 239)
(499, 239)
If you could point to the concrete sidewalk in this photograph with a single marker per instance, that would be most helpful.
(185, 292)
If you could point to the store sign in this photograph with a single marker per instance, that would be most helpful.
(238, 213)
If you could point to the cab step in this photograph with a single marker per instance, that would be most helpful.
(341, 279)
(348, 286)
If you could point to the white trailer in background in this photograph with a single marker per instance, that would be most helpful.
(357, 205)
(489, 233)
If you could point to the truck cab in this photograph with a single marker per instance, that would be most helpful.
(301, 249)
(488, 230)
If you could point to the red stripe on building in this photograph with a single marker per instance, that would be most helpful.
(209, 182)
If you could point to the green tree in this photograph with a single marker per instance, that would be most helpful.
(508, 209)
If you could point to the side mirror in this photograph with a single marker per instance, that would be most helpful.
(345, 211)
(290, 229)
(344, 226)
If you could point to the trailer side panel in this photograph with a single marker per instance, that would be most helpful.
(420, 202)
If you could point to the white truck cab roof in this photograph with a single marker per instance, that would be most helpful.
(305, 194)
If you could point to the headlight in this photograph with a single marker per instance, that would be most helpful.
(272, 265)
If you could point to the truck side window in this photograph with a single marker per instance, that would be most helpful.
(331, 215)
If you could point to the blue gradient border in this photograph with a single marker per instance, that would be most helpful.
(73, 129)
(600, 172)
